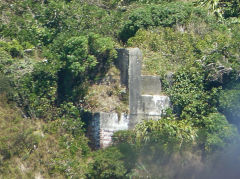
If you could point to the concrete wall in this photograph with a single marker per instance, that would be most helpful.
(103, 125)
(134, 79)
(145, 100)
(153, 105)
(151, 85)
(122, 64)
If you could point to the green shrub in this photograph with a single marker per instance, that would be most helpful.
(107, 163)
(127, 136)
(216, 133)
(165, 15)
(151, 145)
(140, 18)
(5, 60)
(169, 135)
(77, 58)
(71, 121)
(84, 53)
(189, 96)
(84, 58)
(221, 8)
(5, 87)
(125, 141)
(13, 48)
(37, 91)
(229, 103)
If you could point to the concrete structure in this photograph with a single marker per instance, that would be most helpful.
(103, 125)
(122, 63)
(145, 99)
(151, 85)
(149, 107)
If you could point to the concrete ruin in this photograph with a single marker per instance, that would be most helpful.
(145, 100)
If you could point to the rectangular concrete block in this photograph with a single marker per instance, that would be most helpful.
(149, 107)
(113, 121)
(134, 71)
(153, 105)
(151, 85)
(103, 126)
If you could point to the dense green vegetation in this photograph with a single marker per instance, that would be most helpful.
(52, 52)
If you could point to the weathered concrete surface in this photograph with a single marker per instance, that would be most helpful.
(151, 85)
(153, 105)
(145, 99)
(134, 81)
(122, 63)
(144, 91)
(103, 125)
(149, 107)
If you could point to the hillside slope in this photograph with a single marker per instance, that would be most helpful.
(56, 65)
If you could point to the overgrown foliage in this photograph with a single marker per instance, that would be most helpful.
(221, 8)
(229, 102)
(107, 164)
(165, 15)
(51, 52)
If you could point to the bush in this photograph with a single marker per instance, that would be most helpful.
(84, 53)
(221, 8)
(5, 87)
(5, 60)
(107, 164)
(229, 103)
(168, 134)
(37, 91)
(17, 137)
(84, 58)
(189, 96)
(150, 147)
(217, 134)
(70, 161)
(165, 15)
(13, 48)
